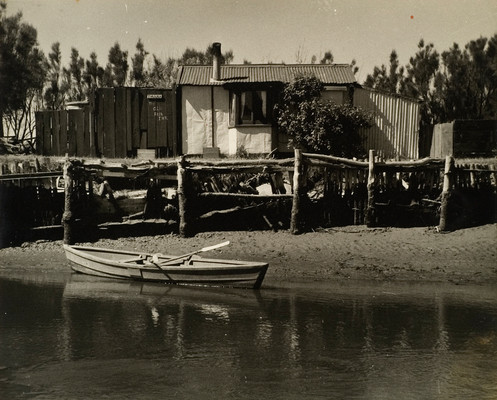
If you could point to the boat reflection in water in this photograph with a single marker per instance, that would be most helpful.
(95, 337)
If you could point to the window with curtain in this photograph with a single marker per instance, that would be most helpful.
(249, 107)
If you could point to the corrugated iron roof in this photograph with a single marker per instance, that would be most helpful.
(329, 74)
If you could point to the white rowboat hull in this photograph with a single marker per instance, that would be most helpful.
(140, 266)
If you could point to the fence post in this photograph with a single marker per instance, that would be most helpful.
(370, 211)
(446, 193)
(183, 198)
(296, 224)
(67, 216)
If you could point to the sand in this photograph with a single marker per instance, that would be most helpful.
(466, 256)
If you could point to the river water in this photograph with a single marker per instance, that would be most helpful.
(75, 337)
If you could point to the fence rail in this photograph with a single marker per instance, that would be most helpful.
(433, 191)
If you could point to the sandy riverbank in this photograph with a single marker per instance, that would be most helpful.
(345, 253)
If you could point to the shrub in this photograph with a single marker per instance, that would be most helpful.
(320, 126)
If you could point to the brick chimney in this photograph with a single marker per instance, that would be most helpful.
(216, 61)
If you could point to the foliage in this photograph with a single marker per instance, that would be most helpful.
(73, 77)
(22, 72)
(116, 71)
(159, 73)
(387, 80)
(242, 152)
(470, 80)
(54, 95)
(328, 58)
(93, 74)
(460, 83)
(320, 126)
(138, 74)
(421, 73)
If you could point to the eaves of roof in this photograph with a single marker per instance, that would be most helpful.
(328, 74)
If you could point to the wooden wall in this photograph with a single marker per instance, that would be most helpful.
(395, 133)
(117, 123)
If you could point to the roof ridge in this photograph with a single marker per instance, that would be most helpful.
(268, 65)
(257, 73)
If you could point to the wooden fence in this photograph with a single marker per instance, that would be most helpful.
(403, 193)
(116, 123)
(226, 190)
(30, 197)
(301, 193)
(330, 191)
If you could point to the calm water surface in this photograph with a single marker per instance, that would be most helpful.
(76, 337)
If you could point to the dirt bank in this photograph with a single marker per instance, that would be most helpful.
(347, 253)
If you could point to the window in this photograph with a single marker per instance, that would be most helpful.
(249, 107)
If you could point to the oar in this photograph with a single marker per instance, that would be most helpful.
(155, 257)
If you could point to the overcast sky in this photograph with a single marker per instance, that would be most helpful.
(260, 31)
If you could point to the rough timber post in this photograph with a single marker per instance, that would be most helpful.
(446, 192)
(67, 216)
(370, 211)
(298, 187)
(183, 203)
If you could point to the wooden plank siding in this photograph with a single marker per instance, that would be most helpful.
(109, 127)
(135, 119)
(152, 124)
(47, 139)
(71, 134)
(129, 117)
(56, 132)
(120, 122)
(395, 134)
(80, 130)
(117, 122)
(63, 132)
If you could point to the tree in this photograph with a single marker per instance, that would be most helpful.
(459, 84)
(421, 74)
(22, 72)
(327, 58)
(138, 73)
(387, 80)
(353, 65)
(54, 95)
(161, 74)
(73, 77)
(116, 71)
(317, 125)
(194, 57)
(92, 75)
(470, 80)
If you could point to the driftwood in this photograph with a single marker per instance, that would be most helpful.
(296, 222)
(183, 193)
(248, 169)
(237, 163)
(245, 195)
(407, 166)
(237, 209)
(67, 216)
(333, 161)
(370, 212)
(447, 187)
(226, 211)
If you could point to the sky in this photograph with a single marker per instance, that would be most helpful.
(260, 31)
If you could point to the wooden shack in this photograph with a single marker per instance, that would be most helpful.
(465, 138)
(116, 123)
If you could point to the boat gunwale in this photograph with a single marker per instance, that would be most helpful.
(222, 264)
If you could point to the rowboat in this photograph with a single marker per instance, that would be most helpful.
(189, 269)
